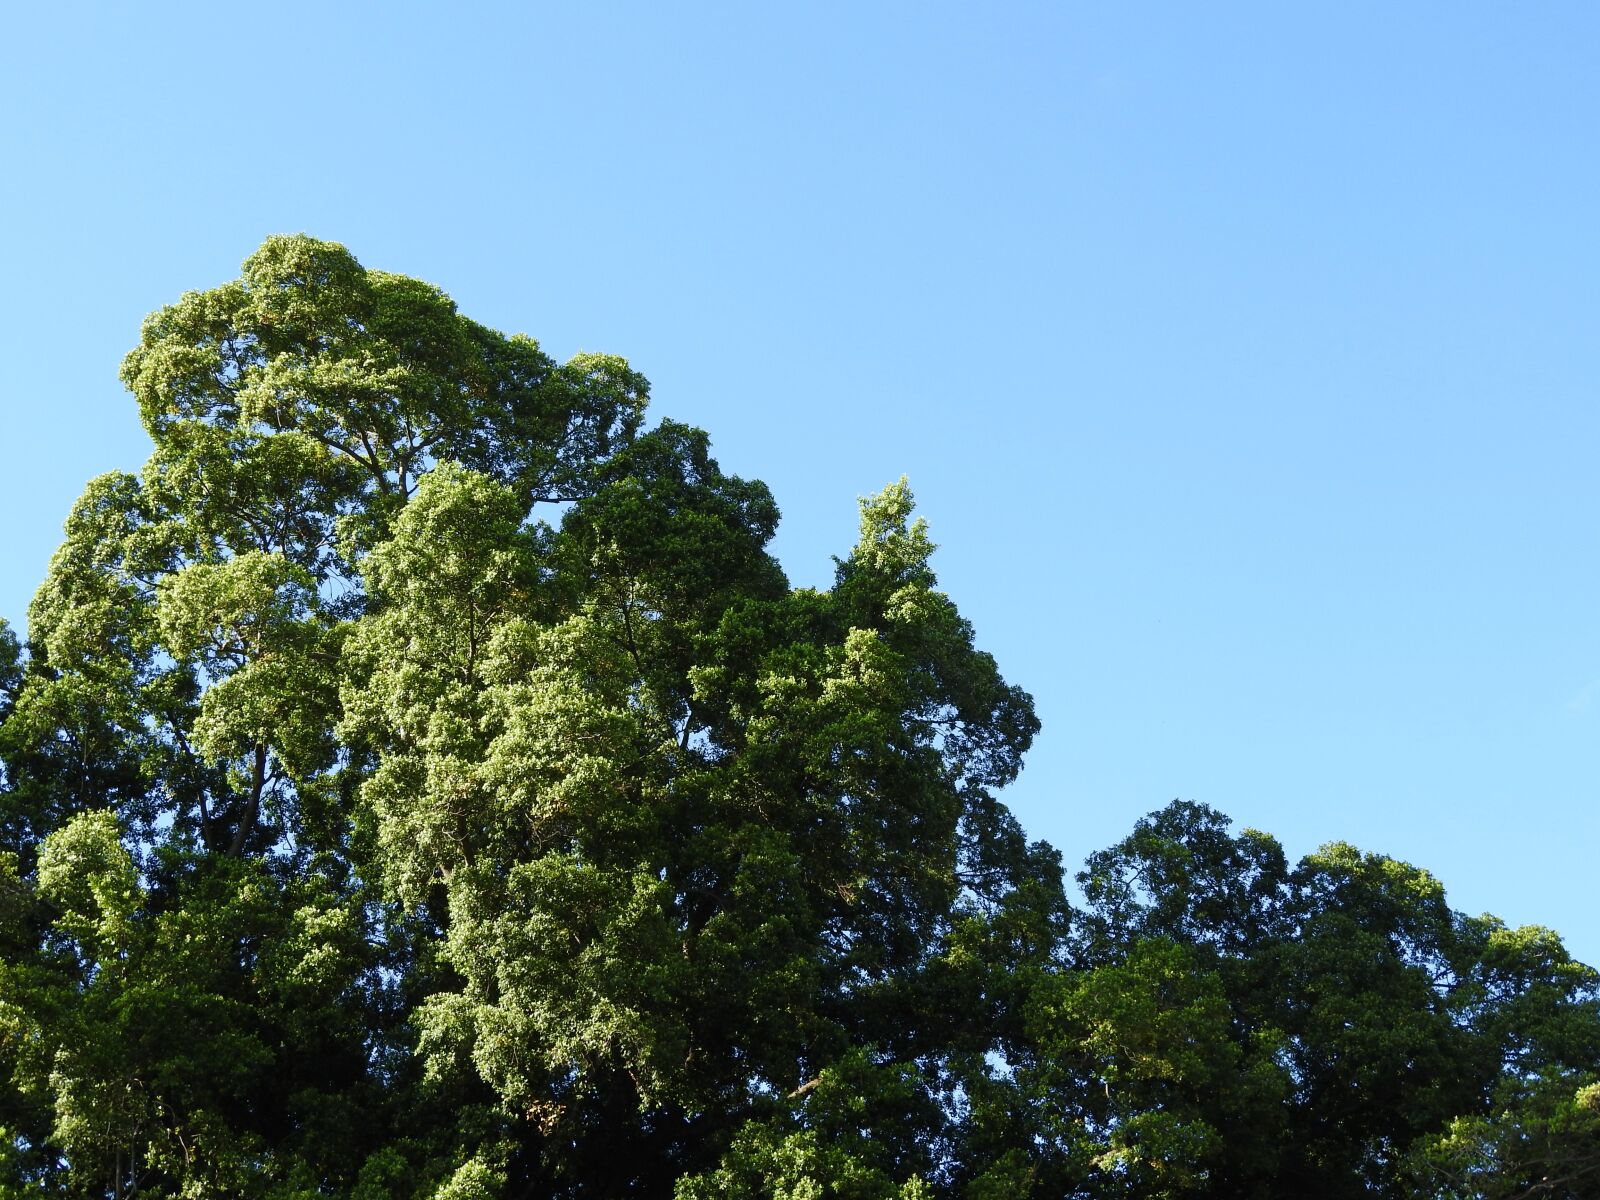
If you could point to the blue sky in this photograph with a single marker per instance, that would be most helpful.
(1243, 357)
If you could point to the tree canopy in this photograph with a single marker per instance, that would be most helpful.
(421, 780)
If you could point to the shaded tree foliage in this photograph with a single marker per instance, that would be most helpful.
(420, 780)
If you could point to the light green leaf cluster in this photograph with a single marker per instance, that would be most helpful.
(85, 871)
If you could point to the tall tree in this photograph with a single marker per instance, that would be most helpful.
(330, 743)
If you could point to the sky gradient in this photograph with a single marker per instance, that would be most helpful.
(1243, 358)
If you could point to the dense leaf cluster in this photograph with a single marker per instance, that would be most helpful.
(420, 780)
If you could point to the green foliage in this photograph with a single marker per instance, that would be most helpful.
(829, 1155)
(86, 873)
(1541, 1139)
(421, 781)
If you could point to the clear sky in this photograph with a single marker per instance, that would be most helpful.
(1243, 357)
